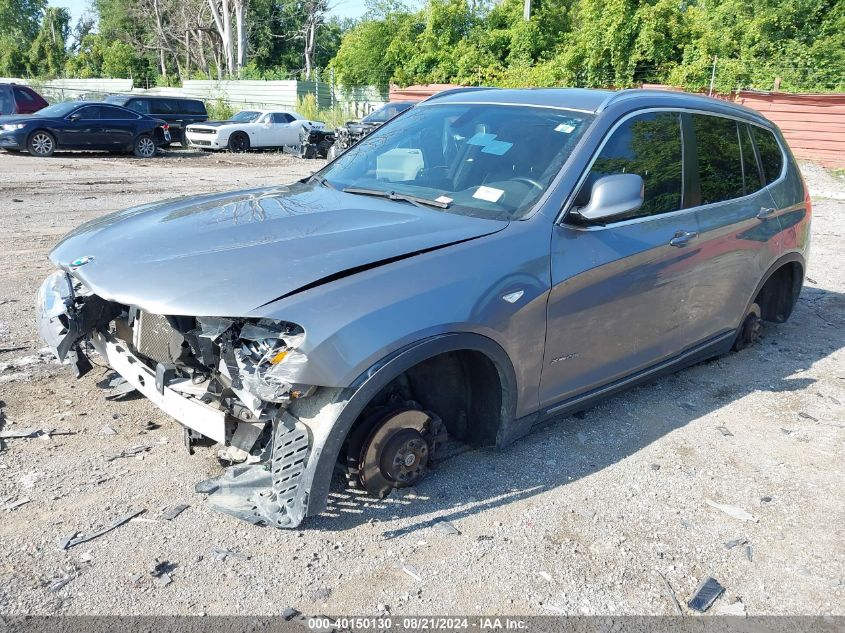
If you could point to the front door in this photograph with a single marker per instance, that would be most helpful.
(278, 130)
(620, 289)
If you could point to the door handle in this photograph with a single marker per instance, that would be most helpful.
(682, 238)
(766, 213)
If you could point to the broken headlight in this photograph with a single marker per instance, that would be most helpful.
(268, 358)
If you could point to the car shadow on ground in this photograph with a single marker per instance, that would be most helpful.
(571, 447)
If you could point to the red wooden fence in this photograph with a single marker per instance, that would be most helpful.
(813, 124)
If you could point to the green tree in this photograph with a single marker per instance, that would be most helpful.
(19, 20)
(47, 54)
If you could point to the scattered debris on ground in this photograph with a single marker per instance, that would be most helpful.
(705, 594)
(73, 539)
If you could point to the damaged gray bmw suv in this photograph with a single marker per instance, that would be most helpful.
(479, 264)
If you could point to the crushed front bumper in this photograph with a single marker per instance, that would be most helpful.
(189, 412)
(269, 492)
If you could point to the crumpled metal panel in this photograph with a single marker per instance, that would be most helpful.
(262, 495)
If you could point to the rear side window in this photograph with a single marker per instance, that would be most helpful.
(282, 117)
(108, 112)
(139, 105)
(649, 145)
(719, 158)
(5, 100)
(190, 106)
(770, 155)
(164, 106)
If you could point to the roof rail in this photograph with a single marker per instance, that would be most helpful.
(613, 95)
(452, 91)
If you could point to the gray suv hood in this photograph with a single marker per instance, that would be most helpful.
(228, 254)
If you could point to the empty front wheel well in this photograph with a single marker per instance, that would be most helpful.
(462, 387)
(779, 294)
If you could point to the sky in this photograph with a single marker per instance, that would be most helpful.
(340, 8)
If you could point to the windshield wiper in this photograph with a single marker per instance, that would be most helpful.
(320, 180)
(392, 195)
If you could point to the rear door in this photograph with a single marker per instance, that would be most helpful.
(738, 224)
(620, 290)
(118, 127)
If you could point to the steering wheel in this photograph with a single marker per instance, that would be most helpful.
(528, 181)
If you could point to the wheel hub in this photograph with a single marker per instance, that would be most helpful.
(396, 451)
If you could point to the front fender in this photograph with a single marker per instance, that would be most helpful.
(330, 413)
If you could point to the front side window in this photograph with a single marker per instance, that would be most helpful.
(484, 160)
(770, 155)
(648, 145)
(719, 158)
(89, 113)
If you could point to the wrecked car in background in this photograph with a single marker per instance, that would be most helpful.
(347, 135)
(250, 129)
(473, 268)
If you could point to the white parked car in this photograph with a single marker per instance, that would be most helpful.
(253, 128)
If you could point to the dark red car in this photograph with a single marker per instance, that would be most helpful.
(16, 99)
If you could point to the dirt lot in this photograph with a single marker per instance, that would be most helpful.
(580, 518)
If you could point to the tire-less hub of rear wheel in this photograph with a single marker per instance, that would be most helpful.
(393, 449)
(751, 329)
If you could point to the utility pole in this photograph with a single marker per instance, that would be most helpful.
(526, 10)
(712, 74)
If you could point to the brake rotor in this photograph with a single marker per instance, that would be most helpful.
(398, 450)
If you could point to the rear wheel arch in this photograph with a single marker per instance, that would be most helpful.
(479, 359)
(777, 293)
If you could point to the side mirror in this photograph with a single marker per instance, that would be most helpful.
(614, 195)
(74, 117)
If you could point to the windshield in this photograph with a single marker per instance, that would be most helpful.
(57, 110)
(485, 160)
(385, 113)
(246, 116)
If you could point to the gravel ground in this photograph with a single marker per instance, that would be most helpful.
(582, 517)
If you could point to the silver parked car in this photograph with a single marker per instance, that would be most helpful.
(481, 263)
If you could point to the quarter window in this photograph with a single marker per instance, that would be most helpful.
(648, 145)
(189, 106)
(719, 158)
(750, 168)
(770, 155)
(23, 95)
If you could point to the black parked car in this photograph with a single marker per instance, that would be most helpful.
(83, 125)
(347, 135)
(178, 112)
(15, 99)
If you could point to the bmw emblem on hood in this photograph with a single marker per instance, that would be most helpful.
(81, 261)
